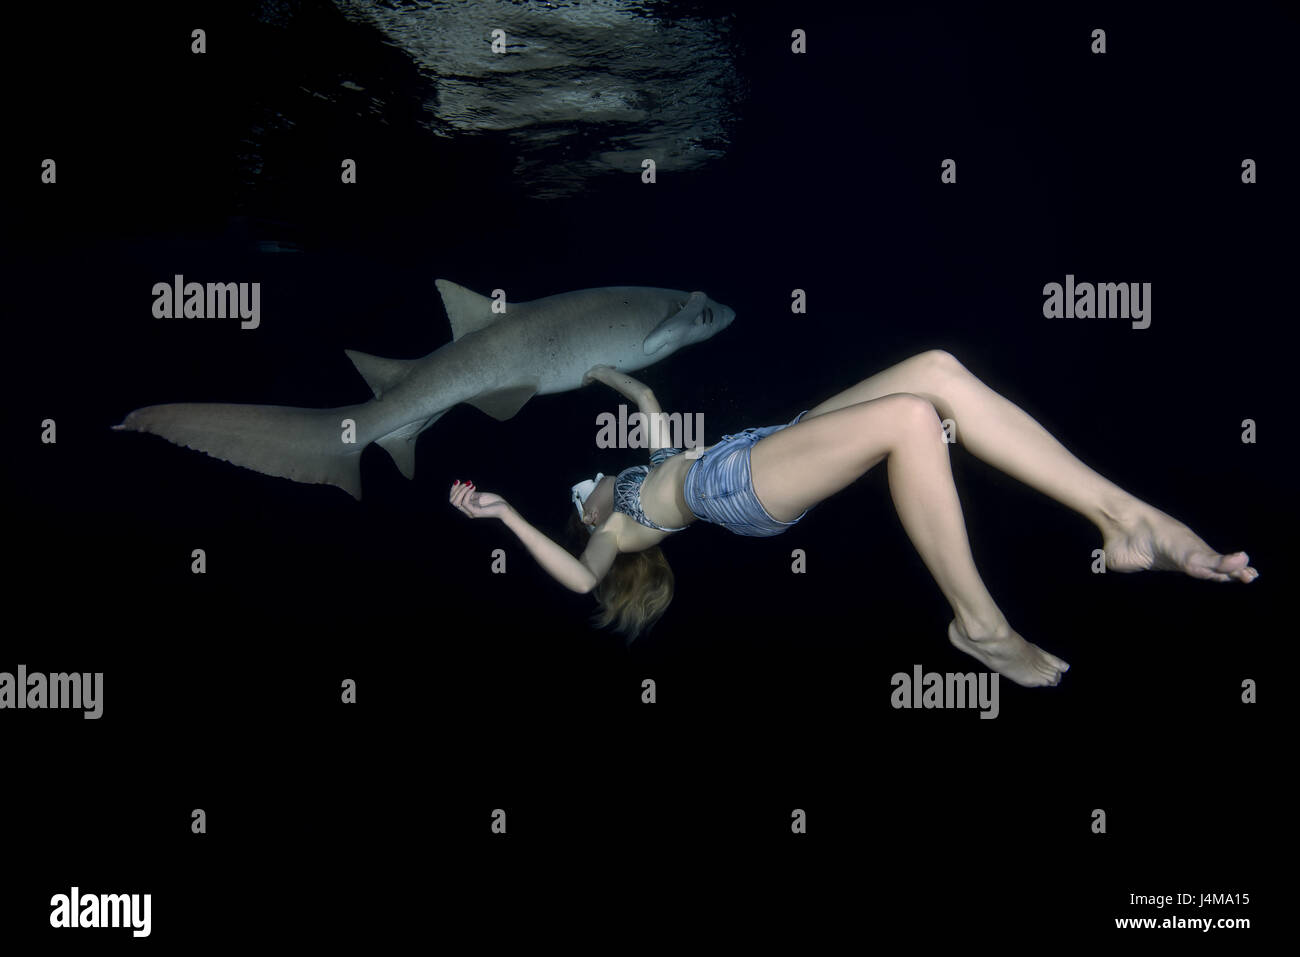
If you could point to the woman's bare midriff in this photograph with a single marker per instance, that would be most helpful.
(662, 499)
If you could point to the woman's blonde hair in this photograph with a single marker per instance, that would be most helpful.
(635, 592)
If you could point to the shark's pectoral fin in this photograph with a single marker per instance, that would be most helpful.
(502, 404)
(380, 374)
(663, 333)
(466, 309)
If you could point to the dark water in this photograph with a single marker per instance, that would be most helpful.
(479, 691)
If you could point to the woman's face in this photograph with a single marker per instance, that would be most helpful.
(600, 503)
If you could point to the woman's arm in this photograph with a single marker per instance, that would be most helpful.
(570, 572)
(580, 575)
(635, 391)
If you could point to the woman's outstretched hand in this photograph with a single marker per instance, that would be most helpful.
(476, 504)
(589, 378)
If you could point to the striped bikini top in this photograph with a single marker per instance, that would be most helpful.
(627, 489)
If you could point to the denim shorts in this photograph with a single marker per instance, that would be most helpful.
(719, 488)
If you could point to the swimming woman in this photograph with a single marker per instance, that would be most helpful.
(763, 480)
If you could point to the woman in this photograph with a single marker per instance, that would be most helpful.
(762, 481)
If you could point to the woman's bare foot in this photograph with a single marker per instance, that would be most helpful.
(1149, 540)
(1009, 654)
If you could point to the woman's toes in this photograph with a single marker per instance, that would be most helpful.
(1234, 562)
(1209, 567)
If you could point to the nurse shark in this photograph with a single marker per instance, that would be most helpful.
(495, 362)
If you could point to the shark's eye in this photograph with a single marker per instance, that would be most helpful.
(708, 314)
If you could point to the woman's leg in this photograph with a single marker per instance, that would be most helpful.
(797, 467)
(1136, 536)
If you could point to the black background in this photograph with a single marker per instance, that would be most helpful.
(370, 823)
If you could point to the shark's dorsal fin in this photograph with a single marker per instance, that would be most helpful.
(380, 374)
(502, 404)
(661, 333)
(467, 310)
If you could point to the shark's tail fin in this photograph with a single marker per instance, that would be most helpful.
(305, 445)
